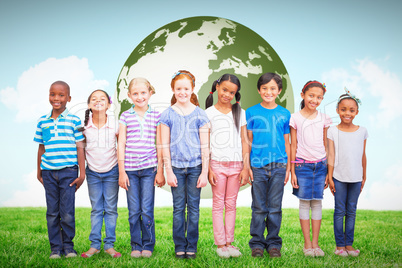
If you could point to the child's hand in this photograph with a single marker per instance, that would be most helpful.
(202, 180)
(40, 179)
(124, 182)
(332, 186)
(78, 182)
(212, 178)
(159, 179)
(363, 182)
(250, 171)
(294, 181)
(171, 179)
(326, 182)
(244, 177)
(286, 177)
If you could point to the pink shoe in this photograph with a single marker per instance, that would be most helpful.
(353, 253)
(87, 255)
(114, 254)
(308, 252)
(233, 251)
(341, 252)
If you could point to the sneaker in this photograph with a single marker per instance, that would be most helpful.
(353, 253)
(318, 252)
(223, 252)
(146, 253)
(274, 253)
(308, 252)
(341, 252)
(233, 251)
(55, 254)
(70, 253)
(257, 252)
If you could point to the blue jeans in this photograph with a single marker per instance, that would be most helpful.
(346, 197)
(267, 193)
(60, 202)
(140, 202)
(186, 194)
(103, 189)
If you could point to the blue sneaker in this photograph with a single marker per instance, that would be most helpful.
(56, 254)
(70, 253)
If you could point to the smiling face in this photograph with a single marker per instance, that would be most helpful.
(312, 97)
(269, 92)
(139, 94)
(59, 95)
(98, 101)
(182, 90)
(347, 110)
(226, 91)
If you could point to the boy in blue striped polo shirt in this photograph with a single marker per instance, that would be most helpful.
(60, 155)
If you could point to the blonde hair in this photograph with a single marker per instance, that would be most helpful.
(139, 80)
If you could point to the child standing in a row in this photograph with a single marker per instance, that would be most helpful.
(308, 130)
(101, 131)
(346, 171)
(229, 165)
(268, 130)
(60, 156)
(186, 155)
(140, 165)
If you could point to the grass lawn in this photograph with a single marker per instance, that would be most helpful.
(24, 242)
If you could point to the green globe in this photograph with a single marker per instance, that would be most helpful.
(208, 47)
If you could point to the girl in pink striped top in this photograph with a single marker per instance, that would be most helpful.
(140, 165)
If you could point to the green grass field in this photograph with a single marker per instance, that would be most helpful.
(23, 241)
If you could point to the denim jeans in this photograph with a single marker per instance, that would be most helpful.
(267, 192)
(346, 197)
(186, 194)
(60, 202)
(103, 189)
(140, 202)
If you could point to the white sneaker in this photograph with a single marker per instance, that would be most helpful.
(233, 251)
(308, 252)
(318, 252)
(223, 252)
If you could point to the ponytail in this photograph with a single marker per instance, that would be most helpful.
(87, 112)
(236, 110)
(210, 99)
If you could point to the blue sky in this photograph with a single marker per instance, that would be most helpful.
(342, 43)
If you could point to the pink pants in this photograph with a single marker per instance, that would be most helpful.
(225, 196)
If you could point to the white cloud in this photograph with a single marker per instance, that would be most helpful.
(370, 81)
(30, 97)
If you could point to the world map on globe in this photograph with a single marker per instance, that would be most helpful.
(208, 47)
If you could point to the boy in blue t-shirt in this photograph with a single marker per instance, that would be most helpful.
(60, 155)
(268, 132)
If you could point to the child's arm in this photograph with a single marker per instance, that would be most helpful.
(245, 173)
(326, 151)
(159, 177)
(124, 182)
(331, 163)
(41, 151)
(211, 175)
(81, 165)
(287, 149)
(364, 163)
(293, 148)
(204, 142)
(170, 177)
(250, 143)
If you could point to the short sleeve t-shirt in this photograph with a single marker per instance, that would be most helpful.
(225, 140)
(100, 149)
(185, 145)
(59, 136)
(141, 139)
(269, 127)
(310, 135)
(349, 148)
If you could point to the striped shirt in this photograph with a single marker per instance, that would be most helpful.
(59, 136)
(141, 139)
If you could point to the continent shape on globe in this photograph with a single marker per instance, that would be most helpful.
(208, 47)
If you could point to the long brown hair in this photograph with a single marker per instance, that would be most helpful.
(181, 75)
